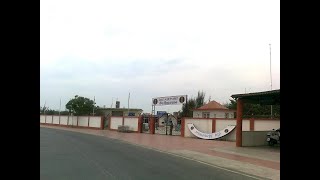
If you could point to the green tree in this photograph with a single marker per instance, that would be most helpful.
(256, 110)
(48, 111)
(188, 107)
(191, 104)
(80, 105)
(231, 105)
(64, 113)
(43, 109)
(200, 99)
(51, 112)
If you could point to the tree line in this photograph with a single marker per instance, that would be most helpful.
(78, 106)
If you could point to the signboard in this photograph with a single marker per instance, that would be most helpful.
(131, 114)
(161, 113)
(169, 100)
(215, 135)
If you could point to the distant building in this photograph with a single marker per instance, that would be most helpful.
(213, 110)
(120, 112)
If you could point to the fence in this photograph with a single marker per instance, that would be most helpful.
(92, 122)
(130, 122)
(211, 125)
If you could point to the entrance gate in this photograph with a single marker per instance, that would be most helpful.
(167, 124)
(145, 125)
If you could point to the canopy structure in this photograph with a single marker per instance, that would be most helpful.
(262, 98)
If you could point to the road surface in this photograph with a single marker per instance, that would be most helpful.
(71, 155)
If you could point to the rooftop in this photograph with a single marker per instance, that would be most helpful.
(212, 105)
(263, 98)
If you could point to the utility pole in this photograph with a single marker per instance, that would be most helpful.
(59, 107)
(270, 76)
(128, 103)
(94, 102)
(111, 102)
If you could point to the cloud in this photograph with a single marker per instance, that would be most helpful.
(108, 48)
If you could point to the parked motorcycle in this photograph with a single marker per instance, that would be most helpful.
(273, 137)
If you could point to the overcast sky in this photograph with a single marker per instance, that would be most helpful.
(158, 48)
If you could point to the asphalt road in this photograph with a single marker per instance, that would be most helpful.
(70, 155)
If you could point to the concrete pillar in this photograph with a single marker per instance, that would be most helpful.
(109, 123)
(239, 123)
(101, 123)
(140, 124)
(213, 129)
(152, 125)
(77, 121)
(251, 124)
(182, 127)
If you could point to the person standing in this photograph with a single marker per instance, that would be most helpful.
(171, 127)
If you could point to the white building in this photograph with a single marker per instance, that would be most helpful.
(213, 110)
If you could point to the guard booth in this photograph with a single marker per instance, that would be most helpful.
(262, 98)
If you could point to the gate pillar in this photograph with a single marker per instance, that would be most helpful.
(152, 125)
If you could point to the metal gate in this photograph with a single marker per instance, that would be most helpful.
(168, 125)
(145, 124)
